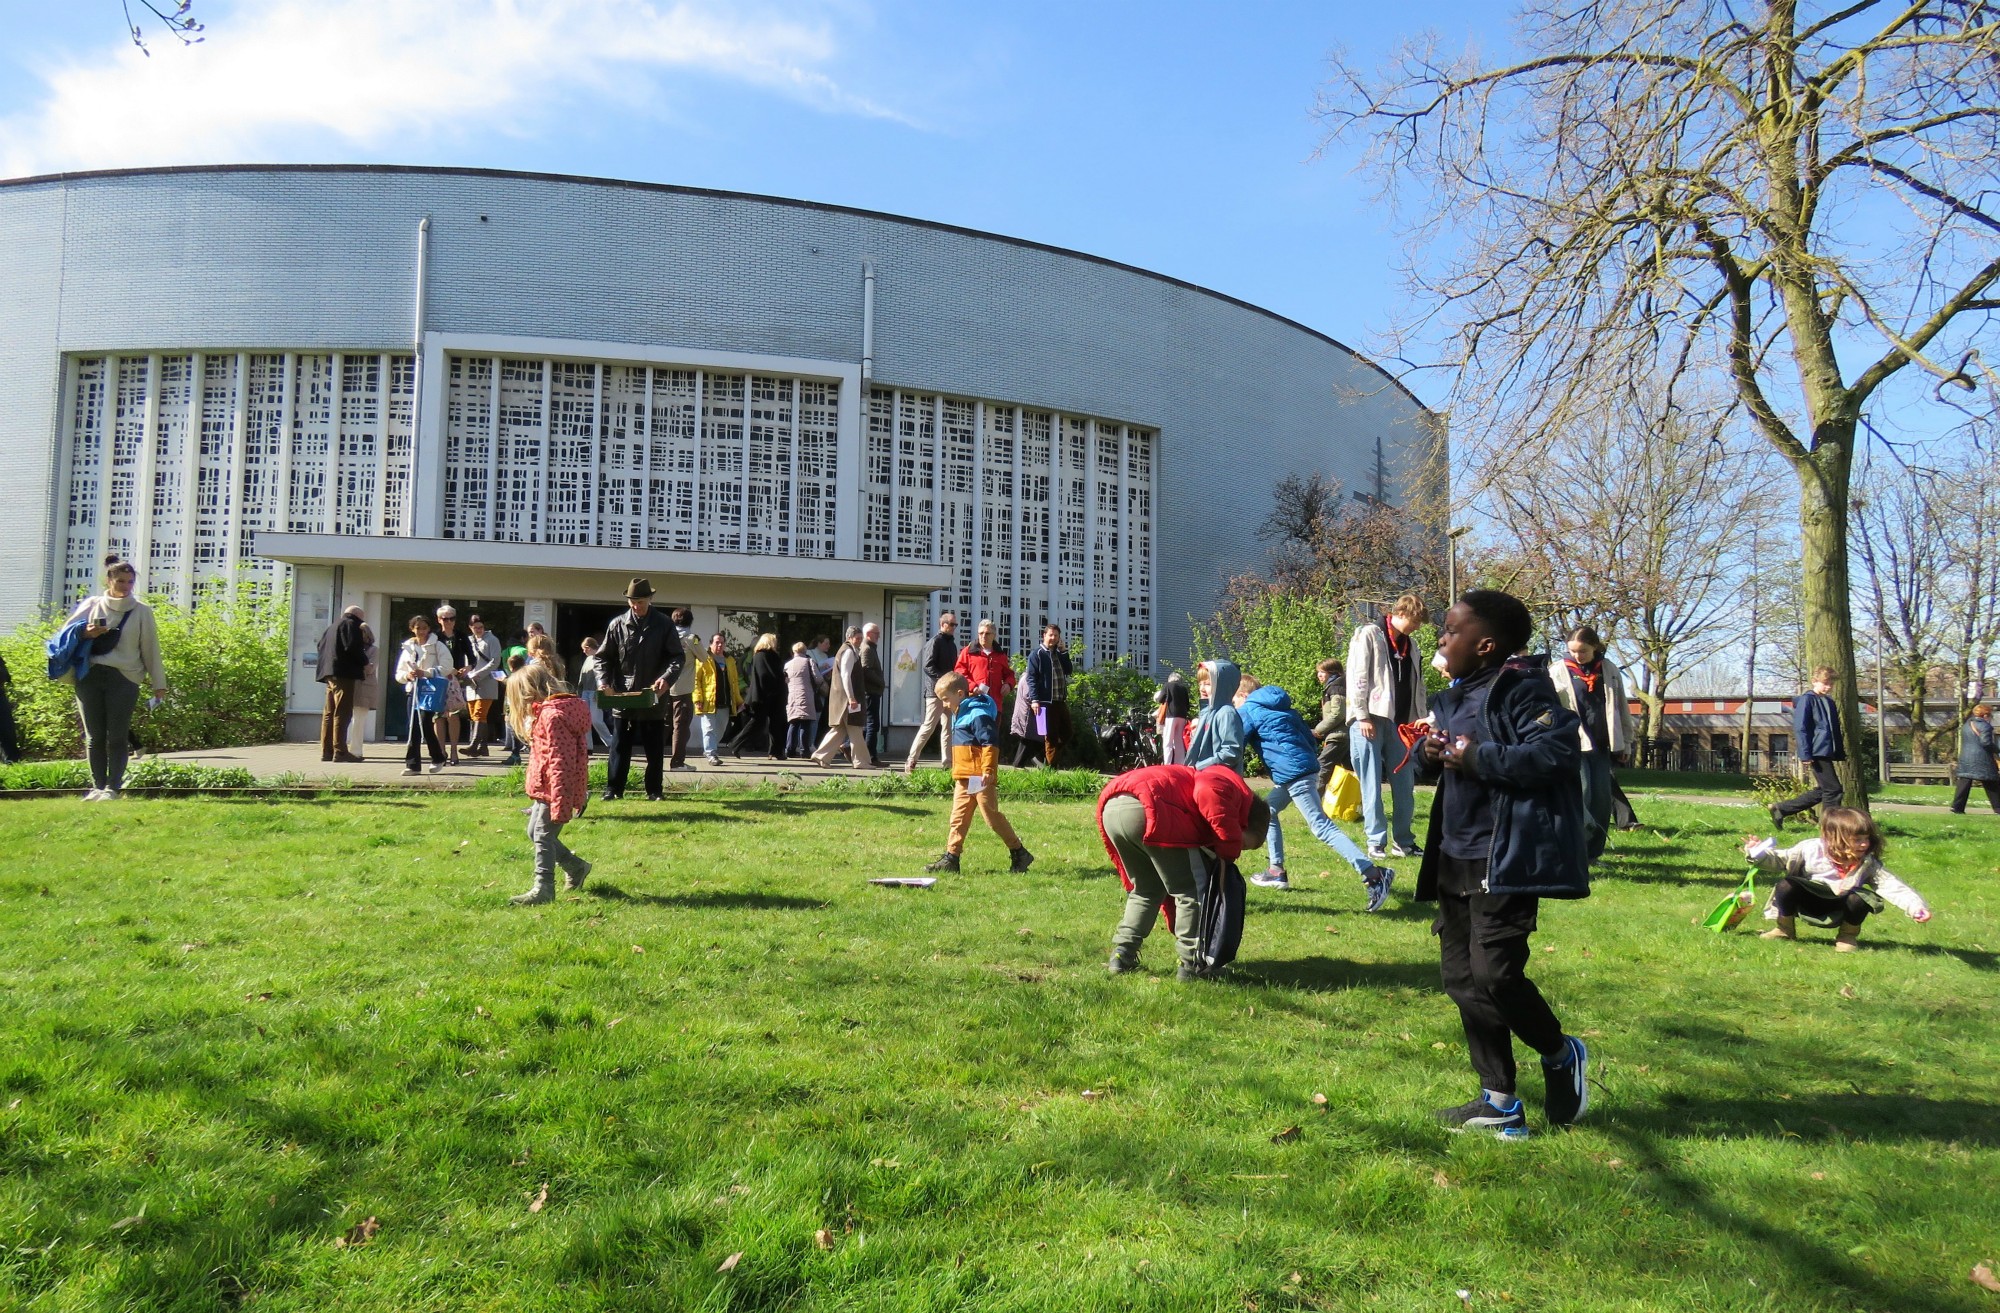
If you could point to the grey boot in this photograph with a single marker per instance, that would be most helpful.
(543, 892)
(576, 875)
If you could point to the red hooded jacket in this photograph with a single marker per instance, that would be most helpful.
(989, 668)
(1185, 808)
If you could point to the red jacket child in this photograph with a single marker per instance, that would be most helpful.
(1185, 808)
(559, 765)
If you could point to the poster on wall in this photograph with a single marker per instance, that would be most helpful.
(911, 616)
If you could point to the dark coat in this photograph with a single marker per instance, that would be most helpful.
(940, 656)
(1816, 721)
(1042, 663)
(874, 680)
(764, 685)
(636, 653)
(343, 653)
(1975, 751)
(1528, 756)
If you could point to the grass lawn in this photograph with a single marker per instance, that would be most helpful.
(233, 1032)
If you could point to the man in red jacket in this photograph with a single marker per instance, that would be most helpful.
(1152, 821)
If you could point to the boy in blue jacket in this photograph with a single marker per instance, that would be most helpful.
(1286, 743)
(1506, 831)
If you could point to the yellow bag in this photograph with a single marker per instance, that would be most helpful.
(1342, 800)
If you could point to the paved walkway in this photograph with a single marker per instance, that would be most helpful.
(384, 768)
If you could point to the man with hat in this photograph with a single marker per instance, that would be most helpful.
(641, 651)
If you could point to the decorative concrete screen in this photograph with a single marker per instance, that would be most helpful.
(177, 459)
(1045, 516)
(632, 455)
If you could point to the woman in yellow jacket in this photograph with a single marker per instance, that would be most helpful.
(718, 695)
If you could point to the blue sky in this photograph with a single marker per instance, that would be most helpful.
(1175, 137)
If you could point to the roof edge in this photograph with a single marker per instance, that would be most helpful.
(468, 171)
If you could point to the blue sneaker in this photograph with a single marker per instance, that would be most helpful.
(1377, 881)
(1568, 1075)
(1510, 1123)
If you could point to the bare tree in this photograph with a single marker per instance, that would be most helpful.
(1327, 545)
(1722, 191)
(1640, 517)
(1905, 560)
(179, 22)
(1969, 514)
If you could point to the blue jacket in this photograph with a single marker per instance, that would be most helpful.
(1281, 735)
(1817, 724)
(69, 650)
(1218, 730)
(1042, 673)
(1975, 751)
(1529, 756)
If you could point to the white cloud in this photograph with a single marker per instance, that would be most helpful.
(368, 72)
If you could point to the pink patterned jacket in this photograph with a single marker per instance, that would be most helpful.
(559, 764)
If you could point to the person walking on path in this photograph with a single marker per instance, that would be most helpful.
(556, 724)
(1048, 692)
(1594, 689)
(874, 685)
(1331, 730)
(763, 702)
(482, 687)
(1506, 831)
(1976, 763)
(985, 664)
(975, 770)
(423, 658)
(801, 703)
(843, 706)
(680, 695)
(718, 695)
(1385, 691)
(343, 661)
(1816, 723)
(1153, 821)
(122, 642)
(641, 653)
(940, 659)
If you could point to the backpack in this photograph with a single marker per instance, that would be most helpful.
(1222, 896)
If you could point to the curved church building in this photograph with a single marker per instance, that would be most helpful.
(516, 391)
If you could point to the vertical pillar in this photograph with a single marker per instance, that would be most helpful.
(1089, 539)
(645, 522)
(287, 413)
(789, 543)
(191, 445)
(1124, 540)
(540, 530)
(239, 433)
(937, 478)
(896, 477)
(597, 430)
(976, 563)
(493, 455)
(694, 504)
(329, 502)
(1022, 620)
(385, 391)
(142, 490)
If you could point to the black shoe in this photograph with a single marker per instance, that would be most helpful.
(609, 796)
(1568, 1095)
(946, 862)
(1023, 859)
(656, 797)
(1481, 1115)
(1189, 973)
(1777, 817)
(1120, 964)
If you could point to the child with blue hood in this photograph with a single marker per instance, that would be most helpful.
(1285, 741)
(1218, 731)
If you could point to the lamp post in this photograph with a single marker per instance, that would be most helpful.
(1451, 538)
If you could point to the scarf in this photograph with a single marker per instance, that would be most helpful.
(1399, 644)
(1588, 676)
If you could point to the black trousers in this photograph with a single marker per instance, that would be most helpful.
(1621, 807)
(1792, 898)
(1826, 791)
(761, 725)
(872, 726)
(650, 735)
(1483, 953)
(423, 734)
(1964, 791)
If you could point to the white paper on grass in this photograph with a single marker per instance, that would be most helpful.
(905, 881)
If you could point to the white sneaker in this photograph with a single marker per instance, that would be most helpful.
(435, 770)
(97, 795)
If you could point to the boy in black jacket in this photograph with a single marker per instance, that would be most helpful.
(1506, 830)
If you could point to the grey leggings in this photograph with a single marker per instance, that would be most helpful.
(106, 700)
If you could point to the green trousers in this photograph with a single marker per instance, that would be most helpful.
(1157, 874)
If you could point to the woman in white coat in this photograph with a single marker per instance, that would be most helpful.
(1594, 688)
(422, 657)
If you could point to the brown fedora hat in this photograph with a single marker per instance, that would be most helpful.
(639, 588)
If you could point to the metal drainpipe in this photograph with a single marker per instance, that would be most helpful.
(867, 324)
(417, 378)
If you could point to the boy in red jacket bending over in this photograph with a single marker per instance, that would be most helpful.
(1152, 820)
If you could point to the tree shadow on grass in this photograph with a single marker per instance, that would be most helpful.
(720, 898)
(1325, 975)
(811, 807)
(1864, 1118)
(351, 798)
(1642, 870)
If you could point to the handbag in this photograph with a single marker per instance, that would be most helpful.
(1342, 800)
(1729, 913)
(432, 692)
(106, 642)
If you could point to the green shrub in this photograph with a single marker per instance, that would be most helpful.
(61, 776)
(152, 773)
(226, 657)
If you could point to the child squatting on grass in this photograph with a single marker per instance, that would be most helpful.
(555, 722)
(1153, 820)
(975, 770)
(1506, 831)
(1836, 878)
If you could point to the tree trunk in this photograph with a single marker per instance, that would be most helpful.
(1829, 618)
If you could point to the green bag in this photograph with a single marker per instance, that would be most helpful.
(1729, 913)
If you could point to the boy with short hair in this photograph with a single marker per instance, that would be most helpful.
(1506, 831)
(1816, 727)
(975, 768)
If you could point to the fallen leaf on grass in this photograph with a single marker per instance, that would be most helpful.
(885, 1162)
(191, 947)
(254, 997)
(1847, 991)
(637, 949)
(1440, 1180)
(489, 884)
(1286, 1136)
(1592, 1034)
(480, 1012)
(823, 1238)
(1439, 1044)
(729, 1263)
(1819, 1176)
(541, 1199)
(1615, 1163)
(1982, 1276)
(125, 1223)
(358, 1235)
(522, 1161)
(614, 1021)
(15, 1104)
(1319, 1100)
(1088, 1094)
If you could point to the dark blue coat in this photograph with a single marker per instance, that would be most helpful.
(1528, 754)
(1975, 752)
(1817, 723)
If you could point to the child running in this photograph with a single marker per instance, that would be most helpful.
(1282, 737)
(1152, 820)
(975, 768)
(542, 711)
(1506, 830)
(1835, 879)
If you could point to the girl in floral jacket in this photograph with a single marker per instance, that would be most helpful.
(1836, 878)
(543, 711)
